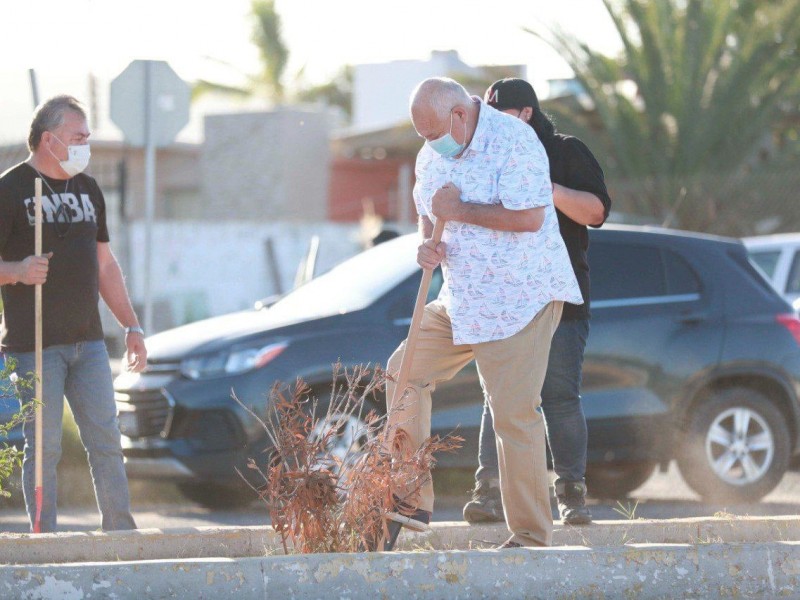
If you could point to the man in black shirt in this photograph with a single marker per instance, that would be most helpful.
(76, 268)
(581, 199)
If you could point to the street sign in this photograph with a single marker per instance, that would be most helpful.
(149, 93)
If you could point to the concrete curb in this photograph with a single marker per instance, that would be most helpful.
(258, 541)
(640, 571)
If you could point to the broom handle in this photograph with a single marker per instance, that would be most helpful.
(38, 318)
(416, 319)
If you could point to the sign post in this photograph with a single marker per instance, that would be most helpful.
(150, 104)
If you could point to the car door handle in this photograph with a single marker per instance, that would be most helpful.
(690, 317)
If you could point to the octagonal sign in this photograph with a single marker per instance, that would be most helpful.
(149, 90)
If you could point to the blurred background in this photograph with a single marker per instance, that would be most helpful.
(299, 133)
(299, 150)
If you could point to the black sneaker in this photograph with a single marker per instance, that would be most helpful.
(486, 505)
(571, 496)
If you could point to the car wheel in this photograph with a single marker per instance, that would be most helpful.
(736, 447)
(617, 480)
(216, 496)
(347, 431)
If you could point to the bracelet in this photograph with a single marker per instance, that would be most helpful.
(138, 330)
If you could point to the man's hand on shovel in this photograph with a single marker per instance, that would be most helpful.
(430, 254)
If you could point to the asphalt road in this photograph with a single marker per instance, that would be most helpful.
(664, 496)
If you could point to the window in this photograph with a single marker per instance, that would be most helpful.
(681, 279)
(793, 282)
(627, 271)
(766, 260)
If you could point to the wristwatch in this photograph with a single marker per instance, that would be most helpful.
(134, 330)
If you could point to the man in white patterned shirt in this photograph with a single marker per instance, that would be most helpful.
(506, 276)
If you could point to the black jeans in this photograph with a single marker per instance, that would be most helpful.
(561, 407)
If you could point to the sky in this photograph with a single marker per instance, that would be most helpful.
(211, 39)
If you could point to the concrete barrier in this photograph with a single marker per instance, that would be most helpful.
(257, 541)
(636, 571)
(677, 558)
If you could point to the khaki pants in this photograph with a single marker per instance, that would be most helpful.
(511, 373)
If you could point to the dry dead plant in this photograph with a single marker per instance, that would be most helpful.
(329, 478)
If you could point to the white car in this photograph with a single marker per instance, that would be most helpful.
(779, 257)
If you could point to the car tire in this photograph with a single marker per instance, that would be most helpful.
(617, 480)
(216, 496)
(352, 428)
(736, 446)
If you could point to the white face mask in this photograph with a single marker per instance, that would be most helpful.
(77, 158)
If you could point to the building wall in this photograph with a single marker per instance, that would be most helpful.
(203, 269)
(356, 183)
(381, 91)
(266, 166)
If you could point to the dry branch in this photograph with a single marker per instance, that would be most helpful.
(328, 481)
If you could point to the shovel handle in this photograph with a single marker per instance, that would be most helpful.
(416, 319)
(38, 445)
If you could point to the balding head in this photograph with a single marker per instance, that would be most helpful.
(440, 106)
(438, 95)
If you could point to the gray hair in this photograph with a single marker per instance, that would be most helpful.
(50, 115)
(441, 94)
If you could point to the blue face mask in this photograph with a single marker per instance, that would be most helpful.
(447, 145)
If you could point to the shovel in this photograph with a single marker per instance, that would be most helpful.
(416, 319)
(39, 494)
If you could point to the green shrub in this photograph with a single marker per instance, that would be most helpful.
(10, 456)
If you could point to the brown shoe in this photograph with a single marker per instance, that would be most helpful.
(418, 521)
(509, 543)
(413, 519)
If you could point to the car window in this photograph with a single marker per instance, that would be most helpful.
(353, 284)
(793, 282)
(766, 260)
(625, 271)
(749, 266)
(621, 271)
(681, 279)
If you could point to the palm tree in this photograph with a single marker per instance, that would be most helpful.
(696, 90)
(267, 37)
(269, 83)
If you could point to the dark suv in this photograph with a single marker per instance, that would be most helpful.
(692, 357)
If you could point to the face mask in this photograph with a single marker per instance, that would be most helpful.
(77, 158)
(447, 145)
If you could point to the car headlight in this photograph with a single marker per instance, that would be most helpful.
(237, 360)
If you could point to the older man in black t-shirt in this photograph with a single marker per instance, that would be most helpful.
(76, 268)
(581, 199)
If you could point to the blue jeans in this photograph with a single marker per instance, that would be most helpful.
(81, 372)
(561, 407)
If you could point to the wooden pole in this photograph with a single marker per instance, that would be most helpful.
(416, 320)
(39, 454)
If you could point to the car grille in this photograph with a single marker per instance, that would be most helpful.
(208, 430)
(144, 413)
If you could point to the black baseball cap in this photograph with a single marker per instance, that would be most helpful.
(511, 93)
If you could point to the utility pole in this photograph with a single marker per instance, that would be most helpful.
(34, 87)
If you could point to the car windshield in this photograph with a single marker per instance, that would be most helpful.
(354, 284)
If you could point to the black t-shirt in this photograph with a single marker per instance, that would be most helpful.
(73, 221)
(574, 166)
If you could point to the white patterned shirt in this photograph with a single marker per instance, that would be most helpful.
(496, 281)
